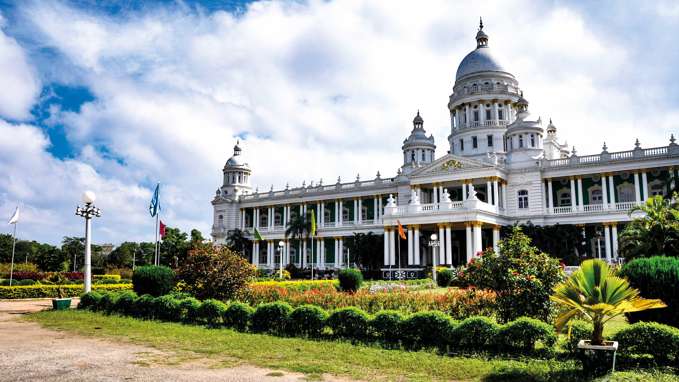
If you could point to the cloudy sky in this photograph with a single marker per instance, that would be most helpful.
(114, 96)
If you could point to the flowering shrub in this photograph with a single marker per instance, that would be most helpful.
(39, 276)
(458, 303)
(41, 291)
(299, 285)
(215, 272)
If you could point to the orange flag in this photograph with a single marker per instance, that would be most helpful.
(401, 232)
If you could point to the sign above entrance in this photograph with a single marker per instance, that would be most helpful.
(451, 164)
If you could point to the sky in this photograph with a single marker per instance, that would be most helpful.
(115, 96)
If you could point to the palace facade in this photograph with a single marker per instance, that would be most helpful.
(502, 168)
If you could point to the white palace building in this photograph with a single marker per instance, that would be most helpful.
(502, 168)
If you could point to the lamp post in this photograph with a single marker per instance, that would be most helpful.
(281, 244)
(434, 244)
(88, 212)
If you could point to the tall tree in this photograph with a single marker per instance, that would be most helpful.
(298, 227)
(51, 259)
(74, 249)
(365, 249)
(654, 234)
(238, 242)
(174, 247)
(122, 255)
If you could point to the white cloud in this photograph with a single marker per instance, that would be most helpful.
(318, 89)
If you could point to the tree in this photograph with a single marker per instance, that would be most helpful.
(215, 272)
(174, 247)
(364, 249)
(236, 240)
(595, 292)
(655, 234)
(196, 238)
(74, 250)
(123, 255)
(298, 227)
(563, 242)
(51, 259)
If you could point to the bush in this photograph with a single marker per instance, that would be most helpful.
(427, 330)
(124, 303)
(144, 307)
(215, 272)
(89, 300)
(52, 291)
(307, 321)
(444, 277)
(524, 333)
(153, 280)
(271, 318)
(385, 327)
(475, 333)
(238, 316)
(655, 277)
(167, 308)
(349, 323)
(24, 282)
(350, 280)
(579, 330)
(211, 312)
(115, 278)
(658, 340)
(106, 302)
(189, 308)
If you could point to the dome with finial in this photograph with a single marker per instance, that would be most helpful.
(418, 136)
(479, 60)
(236, 159)
(551, 129)
(418, 120)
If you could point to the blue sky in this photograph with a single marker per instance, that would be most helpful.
(115, 96)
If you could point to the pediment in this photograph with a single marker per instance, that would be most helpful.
(450, 164)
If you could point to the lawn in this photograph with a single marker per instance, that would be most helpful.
(315, 358)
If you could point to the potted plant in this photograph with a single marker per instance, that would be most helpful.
(596, 294)
(61, 302)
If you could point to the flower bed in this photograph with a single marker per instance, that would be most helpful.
(42, 291)
(458, 303)
(297, 285)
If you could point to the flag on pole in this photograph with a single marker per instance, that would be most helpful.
(162, 229)
(258, 236)
(15, 218)
(313, 223)
(155, 205)
(401, 232)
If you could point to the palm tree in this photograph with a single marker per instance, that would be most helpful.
(657, 233)
(237, 241)
(595, 292)
(298, 227)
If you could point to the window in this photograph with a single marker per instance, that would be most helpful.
(476, 115)
(564, 198)
(278, 219)
(490, 140)
(532, 140)
(626, 192)
(656, 187)
(327, 215)
(520, 140)
(220, 220)
(412, 156)
(500, 114)
(461, 144)
(595, 195)
(423, 151)
(523, 199)
(475, 143)
(488, 115)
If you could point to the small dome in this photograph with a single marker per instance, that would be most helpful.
(480, 59)
(236, 160)
(418, 119)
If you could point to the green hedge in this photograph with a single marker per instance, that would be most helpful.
(42, 291)
(650, 338)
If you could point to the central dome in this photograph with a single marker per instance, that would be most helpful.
(480, 59)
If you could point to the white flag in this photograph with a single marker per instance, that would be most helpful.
(15, 217)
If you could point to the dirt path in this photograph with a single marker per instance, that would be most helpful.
(29, 352)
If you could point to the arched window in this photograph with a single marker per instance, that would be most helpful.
(345, 214)
(412, 156)
(656, 187)
(500, 112)
(278, 218)
(423, 159)
(476, 114)
(626, 192)
(564, 197)
(532, 140)
(327, 215)
(220, 220)
(595, 195)
(520, 140)
(523, 198)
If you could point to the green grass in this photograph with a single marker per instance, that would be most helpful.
(315, 358)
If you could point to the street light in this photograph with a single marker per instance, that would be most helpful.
(88, 212)
(281, 244)
(434, 243)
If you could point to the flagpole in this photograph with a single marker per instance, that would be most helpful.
(399, 252)
(312, 257)
(156, 259)
(14, 243)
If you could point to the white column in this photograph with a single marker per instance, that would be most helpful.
(269, 253)
(504, 195)
(410, 246)
(496, 193)
(607, 238)
(604, 192)
(449, 246)
(495, 113)
(375, 211)
(304, 250)
(319, 216)
(581, 200)
(242, 219)
(379, 206)
(287, 252)
(392, 247)
(469, 242)
(322, 214)
(644, 184)
(637, 191)
(416, 234)
(550, 195)
(320, 256)
(442, 246)
(496, 238)
(386, 247)
(359, 213)
(340, 203)
(489, 194)
(611, 189)
(336, 251)
(255, 217)
(574, 196)
(336, 213)
(355, 211)
(464, 191)
(478, 245)
(255, 253)
(614, 233)
(341, 251)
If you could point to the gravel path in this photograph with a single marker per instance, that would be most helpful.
(29, 352)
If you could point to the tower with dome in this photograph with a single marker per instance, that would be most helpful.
(504, 166)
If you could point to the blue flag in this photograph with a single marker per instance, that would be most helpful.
(155, 202)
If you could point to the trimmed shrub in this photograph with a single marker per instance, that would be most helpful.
(349, 323)
(211, 312)
(153, 280)
(124, 302)
(426, 330)
(444, 277)
(658, 340)
(189, 308)
(238, 316)
(655, 277)
(271, 317)
(385, 327)
(350, 280)
(307, 321)
(143, 307)
(475, 333)
(215, 272)
(167, 308)
(52, 291)
(89, 300)
(106, 302)
(524, 333)
(115, 278)
(579, 330)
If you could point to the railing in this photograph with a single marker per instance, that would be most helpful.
(617, 207)
(491, 89)
(427, 208)
(316, 189)
(477, 124)
(638, 153)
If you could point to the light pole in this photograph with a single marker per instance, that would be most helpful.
(88, 212)
(434, 244)
(281, 244)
